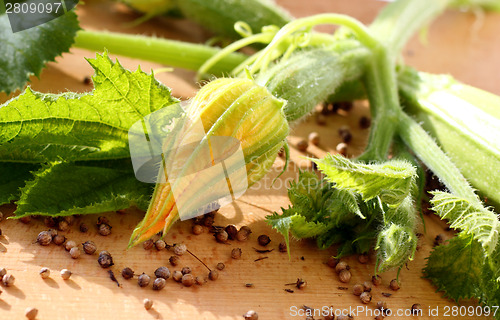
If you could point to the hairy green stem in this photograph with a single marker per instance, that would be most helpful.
(170, 52)
(435, 159)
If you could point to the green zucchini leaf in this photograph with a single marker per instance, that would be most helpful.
(26, 52)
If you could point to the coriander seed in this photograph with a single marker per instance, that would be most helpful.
(66, 274)
(160, 245)
(220, 266)
(180, 249)
(363, 258)
(282, 247)
(365, 297)
(143, 280)
(200, 281)
(314, 138)
(301, 284)
(105, 260)
(379, 317)
(58, 240)
(440, 238)
(159, 283)
(357, 289)
(221, 236)
(394, 285)
(415, 308)
(341, 266)
(63, 225)
(186, 270)
(188, 280)
(174, 260)
(74, 253)
(345, 134)
(3, 272)
(208, 221)
(162, 272)
(83, 227)
(148, 304)
(44, 238)
(197, 229)
(53, 233)
(177, 276)
(376, 280)
(382, 305)
(148, 244)
(263, 240)
(69, 220)
(213, 275)
(231, 231)
(104, 229)
(25, 220)
(320, 119)
(364, 122)
(69, 244)
(251, 315)
(302, 145)
(345, 276)
(243, 233)
(367, 286)
(127, 273)
(102, 220)
(332, 262)
(8, 280)
(31, 313)
(89, 247)
(341, 148)
(236, 253)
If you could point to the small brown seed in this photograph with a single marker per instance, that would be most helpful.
(44, 238)
(74, 253)
(282, 247)
(263, 240)
(251, 315)
(357, 289)
(241, 236)
(160, 245)
(104, 229)
(69, 244)
(148, 244)
(197, 229)
(376, 280)
(69, 220)
(83, 227)
(320, 119)
(208, 221)
(101, 220)
(415, 308)
(8, 280)
(345, 105)
(365, 297)
(174, 260)
(44, 273)
(213, 275)
(345, 276)
(231, 231)
(177, 276)
(221, 236)
(301, 284)
(302, 145)
(127, 273)
(220, 266)
(3, 272)
(53, 233)
(364, 122)
(65, 274)
(382, 305)
(180, 249)
(148, 304)
(332, 262)
(186, 270)
(89, 247)
(379, 317)
(188, 280)
(159, 283)
(236, 253)
(105, 260)
(440, 238)
(367, 286)
(143, 280)
(63, 225)
(162, 272)
(341, 266)
(59, 240)
(342, 148)
(314, 138)
(394, 285)
(200, 281)
(31, 313)
(363, 258)
(345, 134)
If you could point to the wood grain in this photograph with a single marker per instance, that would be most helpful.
(458, 43)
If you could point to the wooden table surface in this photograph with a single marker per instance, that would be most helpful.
(461, 44)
